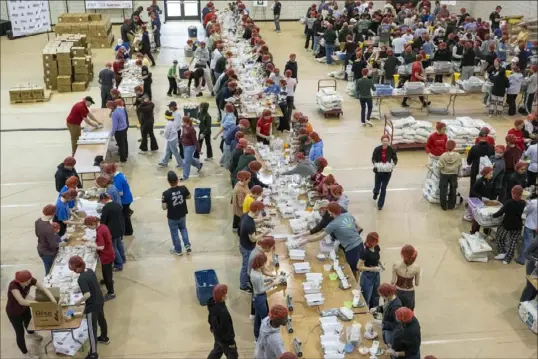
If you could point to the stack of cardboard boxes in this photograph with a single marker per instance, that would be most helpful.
(26, 93)
(98, 28)
(67, 63)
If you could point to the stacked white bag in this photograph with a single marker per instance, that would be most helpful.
(328, 99)
(431, 184)
(464, 131)
(528, 312)
(474, 247)
(409, 130)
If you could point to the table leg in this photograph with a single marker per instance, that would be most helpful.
(75, 339)
(453, 101)
(50, 342)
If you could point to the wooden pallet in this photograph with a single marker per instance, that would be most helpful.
(48, 94)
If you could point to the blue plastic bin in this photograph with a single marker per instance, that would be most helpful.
(202, 200)
(383, 90)
(191, 112)
(205, 281)
(193, 31)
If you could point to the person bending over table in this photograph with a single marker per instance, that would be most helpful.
(80, 112)
(18, 308)
(388, 311)
(47, 238)
(346, 230)
(63, 212)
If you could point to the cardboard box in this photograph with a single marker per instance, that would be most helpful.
(49, 55)
(81, 17)
(51, 72)
(26, 94)
(63, 54)
(50, 66)
(15, 94)
(65, 71)
(95, 17)
(64, 17)
(64, 88)
(64, 80)
(38, 92)
(81, 69)
(50, 81)
(82, 77)
(51, 86)
(78, 51)
(79, 86)
(47, 314)
(40, 296)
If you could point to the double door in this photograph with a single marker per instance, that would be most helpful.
(182, 9)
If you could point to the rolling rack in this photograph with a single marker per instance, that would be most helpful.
(399, 146)
(336, 112)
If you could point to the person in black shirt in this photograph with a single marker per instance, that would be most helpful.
(276, 13)
(65, 170)
(511, 226)
(127, 31)
(481, 149)
(221, 325)
(247, 241)
(174, 202)
(198, 76)
(112, 217)
(406, 340)
(93, 298)
(495, 18)
(147, 77)
(369, 266)
(391, 304)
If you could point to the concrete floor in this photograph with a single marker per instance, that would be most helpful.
(466, 310)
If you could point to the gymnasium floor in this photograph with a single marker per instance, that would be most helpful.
(466, 310)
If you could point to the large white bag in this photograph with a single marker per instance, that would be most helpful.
(484, 162)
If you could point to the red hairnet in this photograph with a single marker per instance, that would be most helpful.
(256, 206)
(385, 136)
(500, 148)
(387, 290)
(219, 292)
(278, 312)
(315, 137)
(256, 190)
(404, 315)
(259, 261)
(229, 108)
(70, 194)
(49, 210)
(244, 123)
(249, 151)
(288, 355)
(255, 166)
(520, 165)
(243, 175)
(110, 168)
(486, 170)
(450, 145)
(267, 242)
(23, 276)
(90, 221)
(299, 156)
(329, 180)
(71, 182)
(409, 254)
(102, 181)
(518, 122)
(77, 264)
(56, 227)
(372, 239)
(232, 84)
(334, 208)
(517, 191)
(510, 139)
(70, 161)
(439, 126)
(321, 162)
(336, 189)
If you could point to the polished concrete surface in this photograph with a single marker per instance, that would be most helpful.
(466, 310)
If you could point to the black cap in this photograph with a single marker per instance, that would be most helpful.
(499, 7)
(97, 160)
(104, 196)
(172, 176)
(172, 103)
(89, 99)
(174, 62)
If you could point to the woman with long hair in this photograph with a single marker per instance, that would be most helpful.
(406, 275)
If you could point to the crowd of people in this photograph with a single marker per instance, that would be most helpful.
(514, 167)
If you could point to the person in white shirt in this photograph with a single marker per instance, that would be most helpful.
(291, 83)
(398, 44)
(202, 55)
(217, 54)
(408, 36)
(170, 133)
(531, 224)
(388, 7)
(276, 76)
(515, 79)
(532, 171)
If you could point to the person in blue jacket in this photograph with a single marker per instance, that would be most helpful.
(316, 151)
(124, 190)
(63, 213)
(271, 87)
(71, 182)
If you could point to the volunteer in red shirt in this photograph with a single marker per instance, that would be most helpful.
(209, 16)
(484, 133)
(518, 133)
(80, 112)
(417, 75)
(264, 127)
(105, 250)
(18, 308)
(436, 144)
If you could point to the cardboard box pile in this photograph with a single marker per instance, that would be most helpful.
(97, 27)
(26, 93)
(67, 63)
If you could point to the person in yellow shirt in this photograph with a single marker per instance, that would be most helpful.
(145, 61)
(255, 192)
(523, 35)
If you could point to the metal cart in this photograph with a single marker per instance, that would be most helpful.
(329, 83)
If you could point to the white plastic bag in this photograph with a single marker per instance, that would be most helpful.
(484, 162)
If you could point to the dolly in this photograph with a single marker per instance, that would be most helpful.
(289, 325)
(289, 301)
(297, 347)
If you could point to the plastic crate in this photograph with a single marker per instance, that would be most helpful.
(383, 90)
(205, 280)
(193, 31)
(202, 200)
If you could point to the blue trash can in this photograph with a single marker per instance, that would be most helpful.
(202, 200)
(191, 112)
(182, 71)
(193, 31)
(205, 280)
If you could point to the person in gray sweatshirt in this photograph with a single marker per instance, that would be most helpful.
(269, 344)
(304, 167)
(449, 165)
(498, 169)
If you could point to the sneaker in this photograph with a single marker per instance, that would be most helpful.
(108, 297)
(189, 250)
(169, 94)
(505, 262)
(363, 124)
(199, 94)
(162, 165)
(116, 269)
(35, 336)
(142, 152)
(246, 290)
(139, 140)
(500, 256)
(199, 169)
(212, 93)
(183, 179)
(30, 356)
(179, 166)
(369, 123)
(467, 218)
(405, 105)
(251, 317)
(103, 340)
(173, 251)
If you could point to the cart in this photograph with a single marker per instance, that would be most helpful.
(399, 146)
(329, 83)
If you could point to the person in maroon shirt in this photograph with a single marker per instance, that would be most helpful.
(512, 155)
(105, 250)
(80, 112)
(417, 74)
(191, 145)
(436, 144)
(47, 237)
(18, 308)
(264, 127)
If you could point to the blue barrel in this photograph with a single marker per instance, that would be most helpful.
(205, 281)
(182, 71)
(193, 31)
(202, 200)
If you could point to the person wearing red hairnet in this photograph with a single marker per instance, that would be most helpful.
(517, 131)
(231, 141)
(80, 112)
(221, 325)
(369, 267)
(336, 194)
(483, 189)
(511, 226)
(417, 74)
(260, 286)
(481, 149)
(264, 127)
(497, 161)
(63, 212)
(317, 177)
(105, 250)
(71, 182)
(18, 308)
(94, 304)
(407, 337)
(190, 143)
(391, 303)
(249, 155)
(382, 155)
(406, 275)
(484, 133)
(449, 165)
(304, 167)
(240, 192)
(345, 229)
(512, 156)
(436, 144)
(519, 177)
(238, 145)
(255, 194)
(48, 241)
(270, 344)
(106, 80)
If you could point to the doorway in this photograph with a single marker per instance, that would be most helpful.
(182, 9)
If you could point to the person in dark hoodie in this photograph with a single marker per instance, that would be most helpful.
(146, 112)
(205, 129)
(406, 340)
(237, 152)
(254, 168)
(65, 170)
(442, 54)
(483, 189)
(221, 325)
(388, 311)
(482, 148)
(242, 164)
(519, 177)
(500, 84)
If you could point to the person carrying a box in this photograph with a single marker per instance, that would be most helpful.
(94, 304)
(18, 308)
(80, 112)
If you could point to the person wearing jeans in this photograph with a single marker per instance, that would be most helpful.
(259, 291)
(449, 165)
(365, 86)
(190, 146)
(170, 134)
(277, 6)
(174, 201)
(369, 267)
(47, 237)
(330, 41)
(247, 241)
(529, 231)
(119, 127)
(384, 158)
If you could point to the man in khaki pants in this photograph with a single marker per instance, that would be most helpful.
(80, 112)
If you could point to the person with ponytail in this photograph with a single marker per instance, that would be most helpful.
(406, 275)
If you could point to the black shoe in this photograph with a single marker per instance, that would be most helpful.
(103, 340)
(212, 93)
(375, 196)
(424, 104)
(199, 169)
(169, 94)
(108, 297)
(189, 250)
(519, 262)
(246, 290)
(199, 94)
(405, 104)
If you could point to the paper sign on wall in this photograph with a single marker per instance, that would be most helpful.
(28, 17)
(96, 4)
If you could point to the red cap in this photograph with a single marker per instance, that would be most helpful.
(409, 254)
(387, 290)
(77, 264)
(257, 190)
(229, 108)
(72, 182)
(244, 123)
(23, 276)
(372, 239)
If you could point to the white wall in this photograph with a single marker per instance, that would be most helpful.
(529, 9)
(3, 10)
